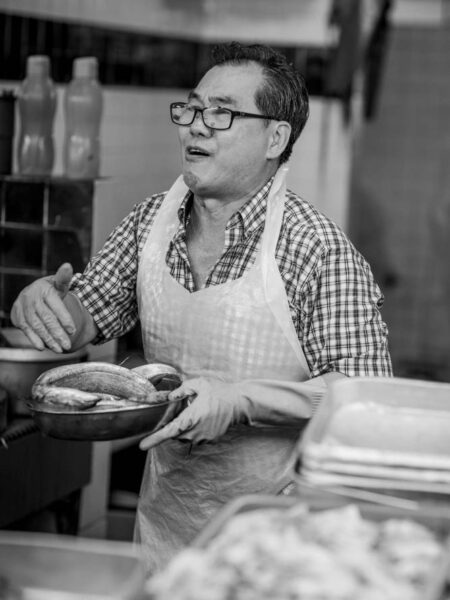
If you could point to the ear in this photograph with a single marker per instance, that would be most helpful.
(281, 131)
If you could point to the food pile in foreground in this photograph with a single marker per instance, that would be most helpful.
(300, 554)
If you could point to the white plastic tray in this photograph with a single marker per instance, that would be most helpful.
(382, 429)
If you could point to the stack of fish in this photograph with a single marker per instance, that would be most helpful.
(89, 384)
(103, 401)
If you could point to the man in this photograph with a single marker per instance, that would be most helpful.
(259, 300)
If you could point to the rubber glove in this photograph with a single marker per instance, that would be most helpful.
(215, 406)
(285, 403)
(49, 315)
(212, 407)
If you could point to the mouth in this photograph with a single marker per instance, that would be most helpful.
(193, 152)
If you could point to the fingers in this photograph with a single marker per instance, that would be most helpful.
(185, 427)
(37, 331)
(188, 389)
(42, 316)
(58, 309)
(181, 392)
(171, 430)
(47, 324)
(62, 278)
(19, 322)
(173, 410)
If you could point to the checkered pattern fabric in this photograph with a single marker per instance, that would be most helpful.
(333, 298)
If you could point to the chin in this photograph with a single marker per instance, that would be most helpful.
(189, 178)
(193, 182)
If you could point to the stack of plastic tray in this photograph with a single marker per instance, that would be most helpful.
(383, 434)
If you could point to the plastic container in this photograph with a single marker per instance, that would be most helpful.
(383, 433)
(83, 108)
(36, 107)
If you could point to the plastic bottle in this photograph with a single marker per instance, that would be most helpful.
(36, 105)
(83, 107)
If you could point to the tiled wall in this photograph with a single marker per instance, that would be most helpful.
(400, 202)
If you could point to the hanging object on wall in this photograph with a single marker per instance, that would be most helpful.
(374, 60)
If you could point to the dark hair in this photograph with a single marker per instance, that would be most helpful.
(283, 94)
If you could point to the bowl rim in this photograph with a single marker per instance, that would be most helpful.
(54, 410)
(31, 355)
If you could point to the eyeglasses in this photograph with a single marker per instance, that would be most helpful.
(214, 117)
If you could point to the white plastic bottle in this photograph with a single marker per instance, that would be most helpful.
(83, 108)
(36, 106)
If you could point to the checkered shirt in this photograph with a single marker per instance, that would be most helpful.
(333, 298)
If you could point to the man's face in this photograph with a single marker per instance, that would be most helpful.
(232, 163)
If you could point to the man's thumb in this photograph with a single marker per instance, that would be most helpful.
(62, 277)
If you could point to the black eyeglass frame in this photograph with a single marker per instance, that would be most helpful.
(233, 113)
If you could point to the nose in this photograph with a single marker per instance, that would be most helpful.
(198, 124)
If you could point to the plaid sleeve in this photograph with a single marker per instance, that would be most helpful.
(107, 287)
(344, 330)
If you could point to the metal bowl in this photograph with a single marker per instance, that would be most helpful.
(104, 424)
(21, 364)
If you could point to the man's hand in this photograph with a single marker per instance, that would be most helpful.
(215, 407)
(40, 312)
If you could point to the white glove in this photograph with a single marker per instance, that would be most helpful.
(215, 406)
(40, 312)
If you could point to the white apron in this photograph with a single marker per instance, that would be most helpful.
(238, 330)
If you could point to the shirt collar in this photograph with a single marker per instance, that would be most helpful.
(252, 214)
(248, 218)
(184, 208)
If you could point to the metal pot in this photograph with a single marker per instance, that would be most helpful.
(19, 367)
